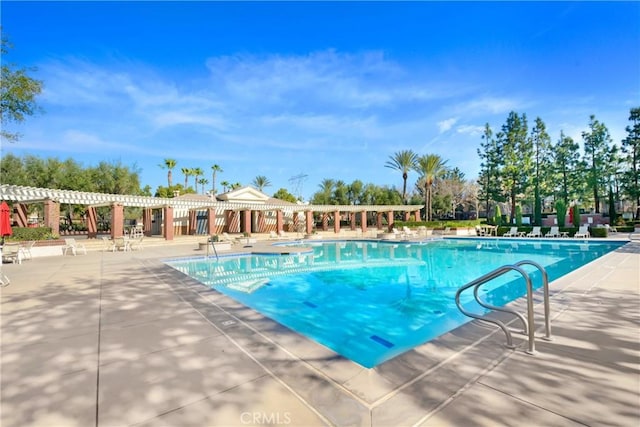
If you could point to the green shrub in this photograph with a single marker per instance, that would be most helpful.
(598, 231)
(518, 216)
(497, 216)
(561, 210)
(576, 215)
(28, 233)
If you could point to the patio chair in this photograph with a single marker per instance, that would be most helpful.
(273, 235)
(535, 232)
(554, 232)
(408, 232)
(583, 232)
(26, 249)
(107, 243)
(12, 252)
(120, 243)
(74, 246)
(513, 232)
(480, 231)
(136, 244)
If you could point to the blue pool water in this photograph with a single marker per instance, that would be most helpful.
(370, 301)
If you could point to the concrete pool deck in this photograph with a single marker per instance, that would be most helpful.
(119, 339)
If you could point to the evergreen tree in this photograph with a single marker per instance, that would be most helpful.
(542, 153)
(517, 154)
(597, 157)
(566, 159)
(631, 147)
(489, 180)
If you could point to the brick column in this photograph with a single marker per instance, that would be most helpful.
(147, 220)
(390, 215)
(336, 222)
(309, 221)
(192, 222)
(407, 216)
(416, 215)
(352, 216)
(363, 221)
(92, 222)
(211, 221)
(52, 215)
(246, 221)
(295, 221)
(325, 221)
(379, 220)
(168, 222)
(117, 220)
(279, 221)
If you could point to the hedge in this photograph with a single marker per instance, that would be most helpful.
(28, 233)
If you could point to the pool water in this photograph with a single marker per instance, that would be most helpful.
(371, 301)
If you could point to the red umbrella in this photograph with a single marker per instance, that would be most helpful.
(5, 220)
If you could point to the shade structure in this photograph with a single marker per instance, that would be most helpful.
(5, 220)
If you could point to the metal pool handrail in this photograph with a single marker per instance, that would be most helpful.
(545, 287)
(529, 322)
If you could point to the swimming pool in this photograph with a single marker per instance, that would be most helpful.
(371, 301)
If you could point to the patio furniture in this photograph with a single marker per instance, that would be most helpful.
(26, 248)
(74, 246)
(12, 252)
(553, 232)
(535, 232)
(513, 232)
(583, 232)
(136, 244)
(121, 243)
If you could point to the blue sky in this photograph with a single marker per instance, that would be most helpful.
(329, 90)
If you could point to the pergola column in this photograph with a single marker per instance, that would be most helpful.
(279, 221)
(147, 220)
(379, 220)
(352, 217)
(417, 215)
(92, 222)
(309, 221)
(168, 223)
(20, 214)
(52, 215)
(295, 221)
(336, 222)
(390, 216)
(246, 221)
(363, 221)
(262, 222)
(117, 220)
(192, 222)
(325, 221)
(211, 221)
(407, 216)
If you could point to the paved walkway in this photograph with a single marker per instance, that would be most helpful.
(119, 339)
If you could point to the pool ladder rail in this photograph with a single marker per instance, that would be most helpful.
(529, 326)
(215, 251)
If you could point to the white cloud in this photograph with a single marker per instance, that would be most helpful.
(471, 130)
(447, 124)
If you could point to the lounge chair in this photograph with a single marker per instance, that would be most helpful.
(273, 235)
(26, 249)
(583, 232)
(74, 246)
(283, 235)
(535, 232)
(120, 243)
(108, 244)
(513, 232)
(136, 244)
(480, 231)
(408, 232)
(554, 232)
(12, 252)
(446, 231)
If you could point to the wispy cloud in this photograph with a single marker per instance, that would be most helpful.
(447, 124)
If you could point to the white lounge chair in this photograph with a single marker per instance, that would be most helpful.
(136, 244)
(583, 232)
(74, 246)
(120, 243)
(513, 232)
(273, 235)
(12, 252)
(535, 232)
(554, 232)
(408, 232)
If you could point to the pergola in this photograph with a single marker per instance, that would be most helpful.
(236, 216)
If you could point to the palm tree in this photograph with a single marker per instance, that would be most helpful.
(169, 164)
(203, 182)
(187, 173)
(215, 169)
(225, 185)
(196, 172)
(403, 161)
(326, 189)
(261, 181)
(236, 185)
(430, 167)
